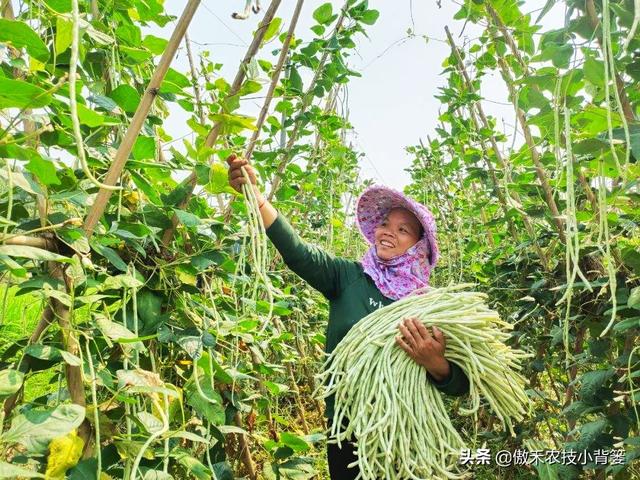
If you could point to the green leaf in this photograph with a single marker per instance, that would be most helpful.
(149, 310)
(194, 466)
(36, 428)
(594, 71)
(64, 34)
(151, 423)
(21, 35)
(10, 382)
(210, 406)
(19, 94)
(294, 442)
(33, 253)
(144, 148)
(218, 180)
(370, 17)
(8, 470)
(323, 13)
(186, 218)
(272, 29)
(116, 332)
(89, 117)
(126, 97)
(156, 45)
(47, 352)
(634, 298)
(594, 390)
(110, 254)
(138, 55)
(44, 170)
(295, 80)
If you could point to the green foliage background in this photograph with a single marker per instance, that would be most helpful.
(175, 371)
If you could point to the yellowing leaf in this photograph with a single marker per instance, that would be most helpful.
(64, 33)
(64, 453)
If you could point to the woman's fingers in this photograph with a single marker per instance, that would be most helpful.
(438, 335)
(404, 345)
(406, 334)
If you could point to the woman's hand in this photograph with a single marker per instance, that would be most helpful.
(236, 178)
(425, 347)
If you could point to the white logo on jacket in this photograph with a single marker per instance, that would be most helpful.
(377, 304)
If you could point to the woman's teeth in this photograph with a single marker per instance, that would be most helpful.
(386, 244)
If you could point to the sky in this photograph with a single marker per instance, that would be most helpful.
(392, 105)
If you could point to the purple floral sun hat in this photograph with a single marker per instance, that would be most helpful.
(399, 276)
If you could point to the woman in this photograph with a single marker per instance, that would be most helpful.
(403, 251)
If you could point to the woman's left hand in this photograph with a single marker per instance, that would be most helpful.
(425, 347)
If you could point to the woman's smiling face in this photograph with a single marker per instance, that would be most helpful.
(398, 231)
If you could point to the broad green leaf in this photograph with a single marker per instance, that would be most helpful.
(186, 218)
(369, 17)
(323, 13)
(294, 442)
(144, 148)
(89, 117)
(21, 35)
(7, 470)
(210, 405)
(194, 466)
(218, 180)
(47, 352)
(36, 428)
(33, 253)
(116, 332)
(156, 475)
(156, 45)
(111, 255)
(126, 97)
(149, 310)
(10, 382)
(44, 170)
(272, 29)
(64, 34)
(19, 94)
(634, 298)
(138, 55)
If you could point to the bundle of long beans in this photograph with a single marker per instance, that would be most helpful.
(401, 426)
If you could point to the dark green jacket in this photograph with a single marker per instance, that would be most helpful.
(352, 294)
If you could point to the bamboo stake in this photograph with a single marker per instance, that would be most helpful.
(527, 223)
(53, 310)
(535, 155)
(275, 77)
(102, 198)
(307, 98)
(198, 95)
(525, 66)
(212, 137)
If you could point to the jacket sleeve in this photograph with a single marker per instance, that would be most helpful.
(318, 268)
(456, 384)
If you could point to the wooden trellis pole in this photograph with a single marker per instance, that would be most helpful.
(122, 155)
(54, 309)
(535, 155)
(495, 17)
(214, 133)
(494, 145)
(307, 98)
